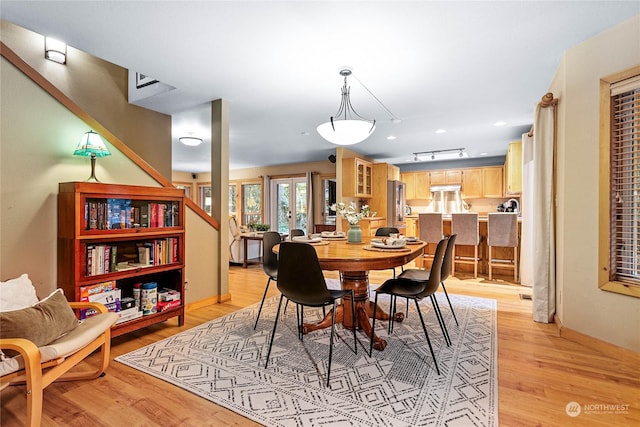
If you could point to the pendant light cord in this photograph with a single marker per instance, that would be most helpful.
(393, 116)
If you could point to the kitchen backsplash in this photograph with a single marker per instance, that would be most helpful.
(482, 206)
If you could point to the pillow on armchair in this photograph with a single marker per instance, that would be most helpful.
(17, 293)
(42, 323)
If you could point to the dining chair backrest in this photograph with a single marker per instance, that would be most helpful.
(386, 231)
(269, 258)
(430, 226)
(296, 232)
(448, 257)
(435, 274)
(300, 277)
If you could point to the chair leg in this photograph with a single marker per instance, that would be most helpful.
(273, 333)
(449, 301)
(490, 265)
(300, 332)
(426, 334)
(264, 295)
(353, 316)
(333, 324)
(443, 326)
(373, 324)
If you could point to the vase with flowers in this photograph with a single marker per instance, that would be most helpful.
(353, 217)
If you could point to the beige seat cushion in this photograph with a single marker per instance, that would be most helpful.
(75, 340)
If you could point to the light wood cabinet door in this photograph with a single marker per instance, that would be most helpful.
(492, 181)
(453, 176)
(410, 231)
(357, 178)
(437, 177)
(513, 169)
(410, 184)
(422, 185)
(472, 183)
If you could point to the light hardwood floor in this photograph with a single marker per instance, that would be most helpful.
(539, 373)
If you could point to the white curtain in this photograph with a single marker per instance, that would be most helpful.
(526, 207)
(266, 208)
(310, 216)
(541, 209)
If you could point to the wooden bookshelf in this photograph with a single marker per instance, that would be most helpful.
(125, 235)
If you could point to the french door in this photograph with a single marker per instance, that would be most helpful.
(288, 204)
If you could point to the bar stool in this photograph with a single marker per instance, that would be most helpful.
(465, 226)
(502, 231)
(431, 230)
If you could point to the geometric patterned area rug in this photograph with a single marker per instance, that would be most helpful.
(223, 362)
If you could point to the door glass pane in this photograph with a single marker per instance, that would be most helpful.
(301, 205)
(283, 207)
(205, 198)
(252, 203)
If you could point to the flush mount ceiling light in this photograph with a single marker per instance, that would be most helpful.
(434, 155)
(347, 127)
(55, 50)
(191, 141)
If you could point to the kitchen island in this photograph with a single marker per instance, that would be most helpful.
(483, 249)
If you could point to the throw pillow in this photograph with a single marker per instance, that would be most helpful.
(17, 293)
(42, 323)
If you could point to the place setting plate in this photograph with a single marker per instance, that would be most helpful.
(333, 235)
(309, 239)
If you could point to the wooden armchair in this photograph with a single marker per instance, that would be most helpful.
(37, 367)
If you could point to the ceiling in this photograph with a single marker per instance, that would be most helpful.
(458, 66)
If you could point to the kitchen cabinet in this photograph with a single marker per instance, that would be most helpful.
(513, 169)
(445, 177)
(412, 228)
(417, 185)
(409, 178)
(357, 178)
(369, 225)
(472, 183)
(492, 181)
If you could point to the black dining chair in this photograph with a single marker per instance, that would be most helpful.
(415, 290)
(269, 264)
(295, 232)
(420, 274)
(301, 281)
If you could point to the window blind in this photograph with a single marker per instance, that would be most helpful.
(625, 182)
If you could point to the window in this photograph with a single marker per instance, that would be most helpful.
(621, 134)
(204, 197)
(233, 199)
(251, 203)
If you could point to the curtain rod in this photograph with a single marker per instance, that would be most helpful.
(546, 101)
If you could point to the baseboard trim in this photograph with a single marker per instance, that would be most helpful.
(604, 347)
(216, 299)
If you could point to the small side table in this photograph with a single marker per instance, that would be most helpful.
(245, 239)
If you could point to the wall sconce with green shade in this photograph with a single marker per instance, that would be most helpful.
(92, 145)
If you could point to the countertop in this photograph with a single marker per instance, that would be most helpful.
(482, 216)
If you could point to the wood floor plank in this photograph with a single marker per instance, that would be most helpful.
(539, 372)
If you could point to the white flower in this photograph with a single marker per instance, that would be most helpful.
(349, 213)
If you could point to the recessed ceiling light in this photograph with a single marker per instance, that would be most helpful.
(391, 137)
(305, 133)
(484, 154)
(500, 123)
(441, 131)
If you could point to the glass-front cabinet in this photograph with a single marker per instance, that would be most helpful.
(357, 178)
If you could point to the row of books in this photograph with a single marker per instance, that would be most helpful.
(116, 214)
(103, 259)
(127, 308)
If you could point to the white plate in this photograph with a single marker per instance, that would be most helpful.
(383, 246)
(410, 239)
(306, 239)
(332, 234)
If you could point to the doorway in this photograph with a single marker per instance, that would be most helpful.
(288, 204)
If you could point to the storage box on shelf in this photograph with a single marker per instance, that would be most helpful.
(118, 243)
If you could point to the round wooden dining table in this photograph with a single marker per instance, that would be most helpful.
(354, 260)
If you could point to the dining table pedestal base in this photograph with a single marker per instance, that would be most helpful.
(358, 282)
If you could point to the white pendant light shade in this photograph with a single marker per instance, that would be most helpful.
(347, 127)
(346, 132)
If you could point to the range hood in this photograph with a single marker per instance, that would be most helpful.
(451, 187)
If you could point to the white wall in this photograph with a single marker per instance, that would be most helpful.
(583, 307)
